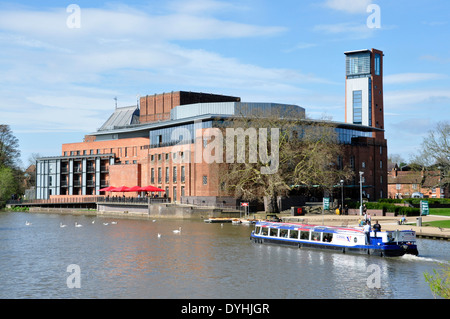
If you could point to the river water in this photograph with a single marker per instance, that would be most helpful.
(129, 260)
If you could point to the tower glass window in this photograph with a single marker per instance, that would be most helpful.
(357, 107)
(377, 63)
(357, 64)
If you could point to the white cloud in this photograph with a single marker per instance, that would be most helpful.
(348, 29)
(407, 99)
(349, 6)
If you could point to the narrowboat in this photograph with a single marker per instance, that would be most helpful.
(339, 239)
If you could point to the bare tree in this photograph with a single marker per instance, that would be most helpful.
(435, 151)
(306, 154)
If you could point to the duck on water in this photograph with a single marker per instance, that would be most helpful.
(342, 239)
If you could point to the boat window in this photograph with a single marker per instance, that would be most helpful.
(273, 232)
(293, 234)
(315, 236)
(327, 237)
(264, 231)
(304, 235)
(258, 229)
(283, 233)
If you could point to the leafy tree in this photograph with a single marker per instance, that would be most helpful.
(11, 176)
(9, 148)
(439, 283)
(8, 184)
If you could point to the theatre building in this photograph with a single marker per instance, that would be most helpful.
(158, 141)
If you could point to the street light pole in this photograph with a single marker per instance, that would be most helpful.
(360, 194)
(342, 196)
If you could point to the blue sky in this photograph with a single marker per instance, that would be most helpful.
(58, 83)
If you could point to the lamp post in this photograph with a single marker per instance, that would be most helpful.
(360, 193)
(342, 196)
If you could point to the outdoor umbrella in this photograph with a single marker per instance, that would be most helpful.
(120, 189)
(135, 189)
(151, 188)
(106, 189)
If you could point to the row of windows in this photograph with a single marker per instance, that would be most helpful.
(158, 176)
(121, 151)
(294, 234)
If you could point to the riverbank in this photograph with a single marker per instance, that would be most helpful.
(386, 222)
(200, 213)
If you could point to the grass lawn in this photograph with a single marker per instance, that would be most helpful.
(438, 223)
(440, 211)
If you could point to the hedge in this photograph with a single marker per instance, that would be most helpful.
(388, 207)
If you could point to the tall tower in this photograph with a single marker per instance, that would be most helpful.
(364, 89)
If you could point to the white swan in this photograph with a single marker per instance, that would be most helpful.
(177, 231)
(78, 225)
(159, 235)
(113, 223)
(93, 221)
(62, 225)
(154, 220)
(106, 224)
(27, 223)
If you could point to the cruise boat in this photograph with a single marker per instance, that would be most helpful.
(340, 239)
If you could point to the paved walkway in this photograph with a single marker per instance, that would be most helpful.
(386, 222)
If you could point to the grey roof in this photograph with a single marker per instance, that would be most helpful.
(233, 108)
(122, 116)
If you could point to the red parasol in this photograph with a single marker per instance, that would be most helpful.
(151, 188)
(120, 189)
(106, 189)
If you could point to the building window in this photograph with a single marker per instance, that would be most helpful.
(167, 175)
(381, 164)
(377, 63)
(398, 186)
(182, 191)
(152, 176)
(340, 164)
(414, 186)
(363, 164)
(159, 175)
(174, 194)
(205, 180)
(357, 107)
(182, 174)
(352, 162)
(174, 174)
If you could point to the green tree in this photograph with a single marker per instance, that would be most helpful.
(8, 185)
(439, 283)
(9, 148)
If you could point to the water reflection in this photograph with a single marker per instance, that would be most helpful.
(128, 260)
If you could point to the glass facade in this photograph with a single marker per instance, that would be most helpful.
(345, 135)
(357, 64)
(357, 107)
(175, 135)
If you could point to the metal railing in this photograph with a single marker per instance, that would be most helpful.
(91, 199)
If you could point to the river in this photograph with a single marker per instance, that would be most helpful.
(129, 260)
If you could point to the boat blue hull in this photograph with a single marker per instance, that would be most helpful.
(391, 250)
